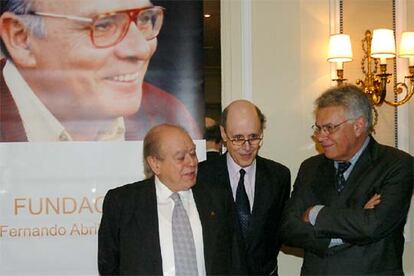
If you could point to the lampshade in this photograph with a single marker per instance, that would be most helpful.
(340, 49)
(383, 44)
(407, 46)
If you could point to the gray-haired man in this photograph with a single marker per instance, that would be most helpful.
(349, 204)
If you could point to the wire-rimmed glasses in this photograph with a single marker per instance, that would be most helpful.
(328, 128)
(253, 140)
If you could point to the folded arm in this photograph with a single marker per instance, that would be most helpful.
(295, 231)
(378, 217)
(312, 213)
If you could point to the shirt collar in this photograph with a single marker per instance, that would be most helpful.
(356, 156)
(39, 123)
(164, 193)
(115, 132)
(234, 168)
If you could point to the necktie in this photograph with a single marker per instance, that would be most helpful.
(242, 204)
(340, 179)
(183, 241)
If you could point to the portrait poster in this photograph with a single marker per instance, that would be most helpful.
(52, 189)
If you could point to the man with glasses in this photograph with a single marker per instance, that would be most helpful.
(258, 187)
(349, 204)
(75, 71)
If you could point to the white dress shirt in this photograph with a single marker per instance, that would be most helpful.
(249, 178)
(38, 122)
(165, 206)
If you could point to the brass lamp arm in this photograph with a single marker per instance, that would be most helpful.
(409, 92)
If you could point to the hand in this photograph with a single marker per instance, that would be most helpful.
(373, 201)
(306, 214)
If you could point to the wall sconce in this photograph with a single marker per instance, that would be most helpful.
(340, 51)
(377, 47)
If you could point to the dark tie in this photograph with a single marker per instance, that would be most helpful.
(242, 204)
(183, 241)
(340, 179)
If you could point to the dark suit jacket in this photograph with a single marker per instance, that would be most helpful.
(373, 238)
(213, 155)
(157, 106)
(128, 239)
(272, 188)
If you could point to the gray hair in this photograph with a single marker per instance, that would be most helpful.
(352, 99)
(23, 8)
(151, 147)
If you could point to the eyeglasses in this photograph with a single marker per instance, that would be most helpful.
(328, 128)
(108, 29)
(239, 140)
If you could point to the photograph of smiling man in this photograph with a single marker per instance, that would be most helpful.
(77, 70)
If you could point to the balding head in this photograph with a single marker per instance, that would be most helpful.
(242, 122)
(170, 154)
(153, 141)
(243, 108)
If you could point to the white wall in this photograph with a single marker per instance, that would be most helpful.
(289, 70)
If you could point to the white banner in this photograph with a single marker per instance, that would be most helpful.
(51, 202)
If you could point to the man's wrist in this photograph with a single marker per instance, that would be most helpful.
(314, 212)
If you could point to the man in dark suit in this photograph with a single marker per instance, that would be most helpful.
(213, 138)
(52, 90)
(137, 231)
(349, 204)
(259, 187)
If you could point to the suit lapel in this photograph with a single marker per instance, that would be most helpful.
(325, 190)
(223, 173)
(262, 200)
(223, 177)
(323, 183)
(207, 214)
(146, 217)
(356, 178)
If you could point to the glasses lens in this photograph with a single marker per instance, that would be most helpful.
(237, 142)
(111, 29)
(149, 22)
(254, 141)
(330, 128)
(107, 30)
